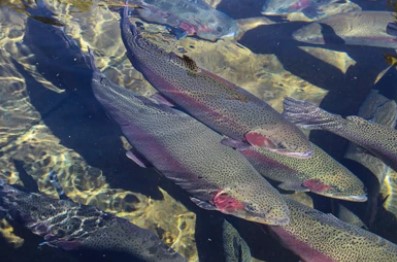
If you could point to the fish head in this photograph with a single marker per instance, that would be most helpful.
(251, 206)
(312, 33)
(285, 7)
(217, 27)
(338, 185)
(282, 139)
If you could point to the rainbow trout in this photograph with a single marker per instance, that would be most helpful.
(318, 237)
(192, 155)
(378, 139)
(191, 17)
(366, 28)
(235, 247)
(73, 226)
(226, 108)
(320, 174)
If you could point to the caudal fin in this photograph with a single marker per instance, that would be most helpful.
(308, 115)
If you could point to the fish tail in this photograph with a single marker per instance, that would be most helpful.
(308, 115)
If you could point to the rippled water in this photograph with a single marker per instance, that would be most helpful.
(50, 120)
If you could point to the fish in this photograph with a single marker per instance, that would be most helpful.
(190, 154)
(320, 174)
(366, 28)
(315, 236)
(311, 8)
(235, 247)
(194, 18)
(378, 139)
(218, 103)
(72, 226)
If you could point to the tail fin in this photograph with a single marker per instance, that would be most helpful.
(308, 115)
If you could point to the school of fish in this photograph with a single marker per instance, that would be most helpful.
(228, 150)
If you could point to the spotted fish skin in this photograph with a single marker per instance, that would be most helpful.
(367, 28)
(319, 237)
(320, 174)
(192, 155)
(221, 105)
(193, 17)
(72, 226)
(235, 247)
(378, 139)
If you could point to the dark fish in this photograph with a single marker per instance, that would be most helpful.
(72, 226)
(235, 247)
(367, 28)
(218, 103)
(318, 237)
(192, 155)
(320, 174)
(378, 139)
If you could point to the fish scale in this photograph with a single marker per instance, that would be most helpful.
(192, 155)
(218, 103)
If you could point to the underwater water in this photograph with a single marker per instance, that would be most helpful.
(52, 122)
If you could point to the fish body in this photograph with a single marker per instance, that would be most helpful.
(226, 108)
(320, 174)
(72, 226)
(192, 155)
(378, 139)
(318, 237)
(235, 247)
(367, 28)
(284, 7)
(193, 17)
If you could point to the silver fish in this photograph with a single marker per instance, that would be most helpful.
(367, 28)
(378, 139)
(223, 106)
(192, 155)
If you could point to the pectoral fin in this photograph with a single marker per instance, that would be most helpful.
(203, 204)
(236, 144)
(137, 159)
(161, 100)
(293, 186)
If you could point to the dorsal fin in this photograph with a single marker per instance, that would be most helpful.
(190, 63)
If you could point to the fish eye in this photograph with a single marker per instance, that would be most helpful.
(282, 145)
(219, 29)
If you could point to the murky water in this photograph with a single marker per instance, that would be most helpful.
(51, 121)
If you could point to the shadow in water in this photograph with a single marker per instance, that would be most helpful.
(75, 116)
